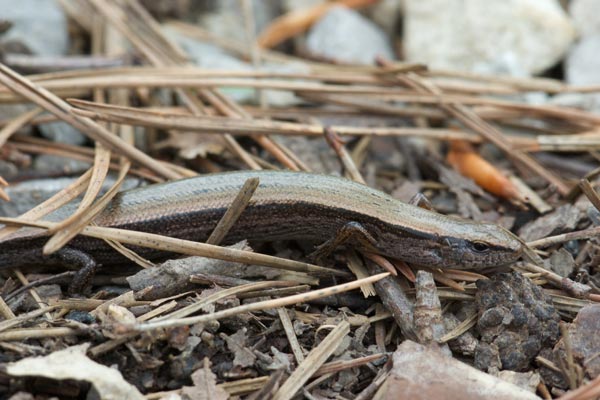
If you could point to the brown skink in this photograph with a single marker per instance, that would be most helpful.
(286, 205)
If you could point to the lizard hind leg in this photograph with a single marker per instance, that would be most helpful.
(70, 257)
(82, 262)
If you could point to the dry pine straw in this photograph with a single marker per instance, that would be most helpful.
(425, 93)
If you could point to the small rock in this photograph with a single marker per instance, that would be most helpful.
(582, 65)
(464, 344)
(585, 16)
(585, 347)
(516, 320)
(26, 195)
(589, 102)
(294, 5)
(62, 132)
(40, 25)
(344, 35)
(8, 170)
(83, 317)
(584, 343)
(209, 56)
(227, 20)
(516, 37)
(487, 357)
(47, 293)
(11, 111)
(51, 164)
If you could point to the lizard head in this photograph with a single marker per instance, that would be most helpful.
(481, 245)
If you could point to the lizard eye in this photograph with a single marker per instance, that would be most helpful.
(480, 247)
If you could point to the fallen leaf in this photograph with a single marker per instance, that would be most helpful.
(191, 144)
(243, 356)
(72, 363)
(205, 386)
(424, 373)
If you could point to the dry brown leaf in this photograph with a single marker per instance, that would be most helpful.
(243, 356)
(191, 145)
(423, 373)
(205, 386)
(72, 363)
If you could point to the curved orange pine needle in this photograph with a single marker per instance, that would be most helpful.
(295, 22)
(465, 160)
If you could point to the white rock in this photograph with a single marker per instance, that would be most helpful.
(39, 24)
(585, 15)
(295, 5)
(582, 65)
(387, 14)
(227, 18)
(589, 102)
(515, 37)
(62, 132)
(209, 56)
(345, 35)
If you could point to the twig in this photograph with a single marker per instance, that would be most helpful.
(564, 237)
(313, 361)
(288, 328)
(234, 211)
(258, 306)
(62, 110)
(336, 143)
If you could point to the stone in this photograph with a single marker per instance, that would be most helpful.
(9, 112)
(589, 102)
(209, 56)
(582, 68)
(585, 16)
(226, 20)
(62, 132)
(40, 25)
(26, 195)
(295, 5)
(344, 35)
(511, 37)
(584, 343)
(582, 65)
(50, 164)
(387, 14)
